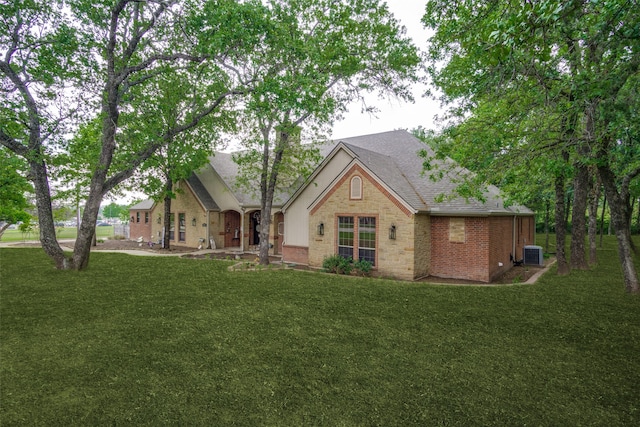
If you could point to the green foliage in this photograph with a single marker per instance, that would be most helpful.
(536, 91)
(337, 264)
(14, 188)
(114, 210)
(363, 267)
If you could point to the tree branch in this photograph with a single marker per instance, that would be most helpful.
(147, 152)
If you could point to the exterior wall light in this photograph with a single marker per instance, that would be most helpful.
(392, 232)
(193, 222)
(159, 219)
(321, 229)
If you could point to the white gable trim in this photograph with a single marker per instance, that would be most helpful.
(317, 171)
(345, 171)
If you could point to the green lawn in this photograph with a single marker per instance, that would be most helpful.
(171, 341)
(62, 232)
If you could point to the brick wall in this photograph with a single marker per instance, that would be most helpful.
(467, 260)
(295, 254)
(140, 229)
(501, 246)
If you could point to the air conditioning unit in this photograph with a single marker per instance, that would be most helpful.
(532, 255)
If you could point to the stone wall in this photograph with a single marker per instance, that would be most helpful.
(185, 202)
(394, 257)
(422, 243)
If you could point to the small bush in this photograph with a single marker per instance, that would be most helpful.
(118, 237)
(337, 264)
(363, 267)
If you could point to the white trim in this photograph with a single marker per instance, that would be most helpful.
(342, 174)
(317, 171)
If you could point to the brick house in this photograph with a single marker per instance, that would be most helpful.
(140, 220)
(370, 199)
(210, 211)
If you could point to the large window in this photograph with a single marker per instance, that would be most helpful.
(345, 236)
(363, 237)
(182, 231)
(172, 227)
(367, 238)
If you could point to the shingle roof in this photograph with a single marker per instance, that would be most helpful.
(202, 194)
(228, 170)
(394, 158)
(144, 205)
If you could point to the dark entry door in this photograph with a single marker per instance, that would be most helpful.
(231, 229)
(255, 228)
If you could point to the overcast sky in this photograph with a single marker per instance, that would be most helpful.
(393, 113)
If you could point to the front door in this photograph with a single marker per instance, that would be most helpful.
(255, 228)
(232, 230)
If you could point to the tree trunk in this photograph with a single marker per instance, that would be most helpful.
(111, 115)
(48, 237)
(268, 187)
(638, 220)
(619, 209)
(168, 188)
(594, 198)
(561, 227)
(567, 210)
(87, 229)
(4, 228)
(546, 225)
(604, 208)
(578, 223)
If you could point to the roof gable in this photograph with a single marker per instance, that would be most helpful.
(202, 194)
(394, 159)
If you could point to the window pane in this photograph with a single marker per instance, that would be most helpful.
(345, 236)
(183, 227)
(367, 232)
(172, 226)
(345, 252)
(367, 255)
(367, 238)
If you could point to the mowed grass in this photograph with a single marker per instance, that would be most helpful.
(61, 232)
(171, 341)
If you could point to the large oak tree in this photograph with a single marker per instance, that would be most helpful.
(319, 56)
(62, 58)
(573, 64)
